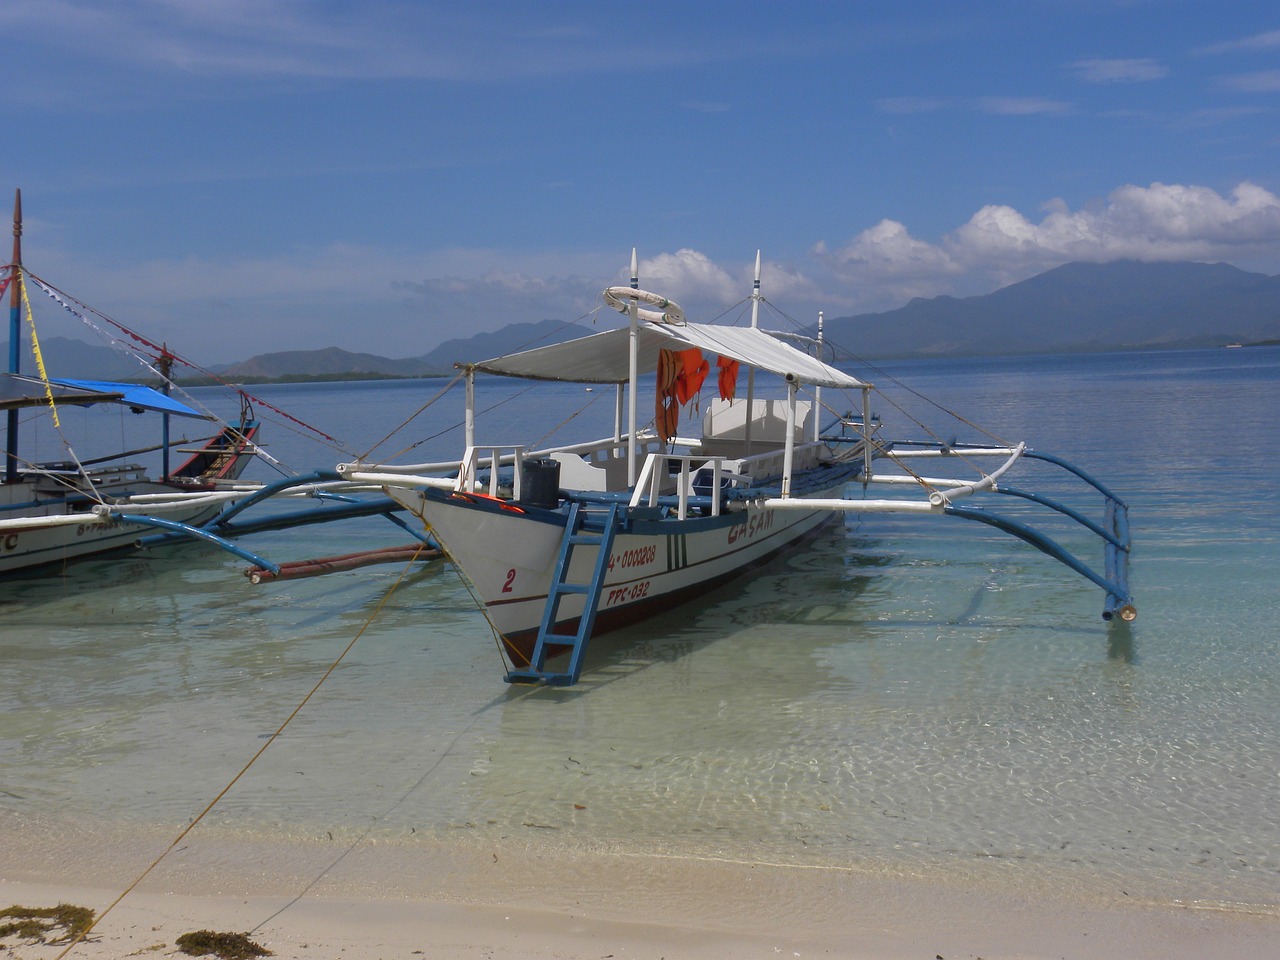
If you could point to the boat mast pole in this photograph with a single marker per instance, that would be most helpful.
(165, 366)
(15, 338)
(633, 316)
(751, 371)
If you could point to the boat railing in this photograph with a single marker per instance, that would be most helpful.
(659, 467)
(59, 479)
(593, 451)
(473, 459)
(770, 464)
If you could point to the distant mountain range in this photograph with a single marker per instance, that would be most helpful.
(1078, 307)
(440, 361)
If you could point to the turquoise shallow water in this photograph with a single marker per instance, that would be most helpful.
(919, 696)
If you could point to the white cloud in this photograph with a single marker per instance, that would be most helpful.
(690, 274)
(912, 104)
(403, 305)
(1097, 70)
(1259, 41)
(1022, 106)
(258, 40)
(1262, 81)
(999, 245)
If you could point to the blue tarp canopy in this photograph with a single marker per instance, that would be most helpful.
(133, 395)
(18, 391)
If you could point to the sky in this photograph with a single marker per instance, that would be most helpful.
(246, 176)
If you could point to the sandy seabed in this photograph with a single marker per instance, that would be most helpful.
(478, 898)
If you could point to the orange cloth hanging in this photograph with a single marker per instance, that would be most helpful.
(728, 377)
(693, 371)
(667, 410)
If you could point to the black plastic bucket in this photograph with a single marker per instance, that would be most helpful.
(540, 483)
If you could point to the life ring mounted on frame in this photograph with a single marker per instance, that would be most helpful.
(668, 310)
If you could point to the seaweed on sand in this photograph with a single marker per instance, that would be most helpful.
(35, 923)
(228, 946)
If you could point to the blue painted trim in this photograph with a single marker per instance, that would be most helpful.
(186, 530)
(1116, 587)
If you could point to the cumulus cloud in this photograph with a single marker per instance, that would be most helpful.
(879, 268)
(1001, 245)
(437, 295)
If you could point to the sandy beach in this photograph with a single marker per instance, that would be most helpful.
(472, 898)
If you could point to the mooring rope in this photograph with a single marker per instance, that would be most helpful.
(252, 760)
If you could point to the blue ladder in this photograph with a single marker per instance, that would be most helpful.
(535, 672)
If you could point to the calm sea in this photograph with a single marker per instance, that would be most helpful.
(921, 696)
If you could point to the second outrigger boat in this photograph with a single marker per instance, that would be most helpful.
(564, 543)
(53, 513)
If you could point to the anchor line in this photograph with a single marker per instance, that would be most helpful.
(245, 769)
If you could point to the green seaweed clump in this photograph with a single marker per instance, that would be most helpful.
(228, 946)
(35, 923)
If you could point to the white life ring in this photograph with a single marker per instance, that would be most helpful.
(619, 298)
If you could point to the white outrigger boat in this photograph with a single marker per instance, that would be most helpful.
(562, 544)
(52, 513)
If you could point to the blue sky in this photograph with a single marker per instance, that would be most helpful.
(243, 176)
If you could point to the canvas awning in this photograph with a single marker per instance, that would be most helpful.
(603, 357)
(133, 395)
(20, 391)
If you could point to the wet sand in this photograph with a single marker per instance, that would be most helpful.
(468, 897)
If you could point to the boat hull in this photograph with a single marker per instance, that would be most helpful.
(28, 546)
(508, 553)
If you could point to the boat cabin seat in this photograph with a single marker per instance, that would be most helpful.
(724, 426)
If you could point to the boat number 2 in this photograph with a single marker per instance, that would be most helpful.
(511, 578)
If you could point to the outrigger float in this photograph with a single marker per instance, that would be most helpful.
(562, 544)
(54, 513)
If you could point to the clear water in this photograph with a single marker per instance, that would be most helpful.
(907, 696)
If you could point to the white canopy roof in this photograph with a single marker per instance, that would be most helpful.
(603, 357)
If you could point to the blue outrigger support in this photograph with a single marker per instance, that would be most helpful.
(1115, 583)
(1114, 530)
(217, 530)
(183, 531)
(536, 671)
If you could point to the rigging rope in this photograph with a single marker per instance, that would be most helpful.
(19, 274)
(409, 419)
(65, 300)
(883, 374)
(252, 760)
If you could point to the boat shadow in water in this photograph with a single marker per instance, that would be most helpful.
(811, 599)
(845, 589)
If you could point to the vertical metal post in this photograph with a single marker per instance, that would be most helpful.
(789, 450)
(751, 371)
(866, 434)
(165, 366)
(469, 426)
(817, 391)
(619, 397)
(15, 342)
(633, 317)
